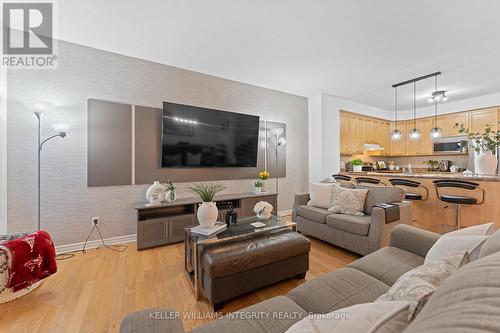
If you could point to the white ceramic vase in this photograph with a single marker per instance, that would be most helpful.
(207, 214)
(357, 168)
(485, 163)
(155, 193)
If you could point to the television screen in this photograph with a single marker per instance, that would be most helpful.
(201, 137)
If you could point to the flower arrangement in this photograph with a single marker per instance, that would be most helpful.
(206, 192)
(263, 209)
(170, 188)
(432, 164)
(489, 140)
(263, 175)
(258, 183)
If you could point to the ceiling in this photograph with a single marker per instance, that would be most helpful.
(355, 49)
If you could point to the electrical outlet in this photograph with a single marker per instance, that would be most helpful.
(95, 220)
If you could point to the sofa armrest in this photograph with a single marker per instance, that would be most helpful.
(300, 199)
(380, 231)
(152, 321)
(412, 239)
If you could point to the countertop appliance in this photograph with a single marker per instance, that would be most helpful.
(444, 166)
(450, 145)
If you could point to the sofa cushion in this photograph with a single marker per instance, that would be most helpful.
(387, 264)
(338, 289)
(227, 259)
(351, 223)
(313, 213)
(491, 245)
(273, 315)
(468, 301)
(152, 320)
(382, 194)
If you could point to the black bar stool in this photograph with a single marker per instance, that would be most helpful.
(339, 177)
(368, 180)
(412, 184)
(458, 200)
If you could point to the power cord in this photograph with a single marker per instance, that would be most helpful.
(116, 248)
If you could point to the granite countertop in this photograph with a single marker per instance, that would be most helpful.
(427, 174)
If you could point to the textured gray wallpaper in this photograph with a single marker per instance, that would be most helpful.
(67, 202)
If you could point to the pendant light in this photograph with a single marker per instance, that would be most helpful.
(436, 132)
(396, 134)
(414, 134)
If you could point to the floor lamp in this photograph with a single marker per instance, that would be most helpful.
(60, 129)
(280, 141)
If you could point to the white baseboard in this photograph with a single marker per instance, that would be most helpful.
(95, 243)
(285, 212)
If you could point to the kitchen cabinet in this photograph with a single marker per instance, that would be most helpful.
(398, 148)
(479, 119)
(344, 135)
(368, 130)
(425, 143)
(461, 118)
(443, 122)
(354, 136)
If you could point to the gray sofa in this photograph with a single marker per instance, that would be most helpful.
(468, 301)
(360, 234)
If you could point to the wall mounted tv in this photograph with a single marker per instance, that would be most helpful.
(202, 138)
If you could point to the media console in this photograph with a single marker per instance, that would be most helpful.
(165, 223)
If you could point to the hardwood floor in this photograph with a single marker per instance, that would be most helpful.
(92, 292)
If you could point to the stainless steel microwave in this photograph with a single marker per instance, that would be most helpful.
(450, 145)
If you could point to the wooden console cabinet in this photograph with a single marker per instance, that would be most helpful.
(164, 224)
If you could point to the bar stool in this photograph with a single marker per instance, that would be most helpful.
(412, 184)
(368, 180)
(339, 177)
(458, 200)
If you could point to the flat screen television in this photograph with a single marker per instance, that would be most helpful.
(200, 138)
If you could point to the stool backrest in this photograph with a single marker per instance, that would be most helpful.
(461, 184)
(368, 180)
(410, 183)
(342, 177)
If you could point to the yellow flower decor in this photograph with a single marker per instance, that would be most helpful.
(263, 175)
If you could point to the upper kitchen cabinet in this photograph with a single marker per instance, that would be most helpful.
(398, 148)
(344, 135)
(443, 122)
(461, 118)
(425, 143)
(479, 119)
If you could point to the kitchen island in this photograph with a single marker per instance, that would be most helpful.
(433, 213)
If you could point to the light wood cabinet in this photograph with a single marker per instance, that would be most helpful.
(354, 137)
(479, 119)
(425, 143)
(344, 135)
(443, 122)
(398, 148)
(368, 130)
(461, 118)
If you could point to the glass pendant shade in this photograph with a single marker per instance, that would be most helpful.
(414, 134)
(436, 133)
(396, 135)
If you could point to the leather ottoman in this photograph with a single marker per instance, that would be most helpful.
(237, 268)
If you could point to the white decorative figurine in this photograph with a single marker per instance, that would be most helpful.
(263, 210)
(155, 194)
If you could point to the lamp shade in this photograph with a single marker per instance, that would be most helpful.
(62, 129)
(281, 141)
(277, 131)
(436, 133)
(414, 134)
(396, 135)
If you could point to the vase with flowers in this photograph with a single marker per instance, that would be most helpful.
(258, 187)
(207, 212)
(485, 145)
(170, 196)
(263, 176)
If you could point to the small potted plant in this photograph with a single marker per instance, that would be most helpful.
(357, 165)
(207, 211)
(485, 145)
(263, 176)
(263, 209)
(258, 186)
(432, 164)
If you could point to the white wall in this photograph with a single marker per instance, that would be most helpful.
(3, 151)
(324, 131)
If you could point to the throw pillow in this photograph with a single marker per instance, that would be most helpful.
(382, 317)
(348, 201)
(417, 285)
(321, 195)
(491, 245)
(468, 239)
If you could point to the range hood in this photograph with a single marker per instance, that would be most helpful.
(372, 147)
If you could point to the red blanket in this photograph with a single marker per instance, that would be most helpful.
(30, 259)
